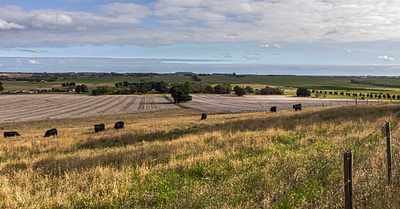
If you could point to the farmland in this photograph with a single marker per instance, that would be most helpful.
(56, 106)
(53, 106)
(251, 103)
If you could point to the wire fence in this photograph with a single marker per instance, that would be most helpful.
(374, 162)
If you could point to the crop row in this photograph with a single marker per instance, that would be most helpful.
(16, 108)
(233, 104)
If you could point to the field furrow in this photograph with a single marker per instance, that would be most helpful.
(52, 106)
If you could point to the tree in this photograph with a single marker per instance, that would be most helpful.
(81, 88)
(303, 92)
(123, 90)
(180, 93)
(270, 91)
(240, 91)
(209, 89)
(161, 87)
(188, 85)
(78, 89)
(249, 89)
(101, 90)
(222, 89)
(95, 92)
(85, 88)
(1, 86)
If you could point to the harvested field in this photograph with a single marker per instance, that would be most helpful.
(251, 103)
(17, 108)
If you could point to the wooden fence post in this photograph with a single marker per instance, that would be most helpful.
(348, 178)
(389, 152)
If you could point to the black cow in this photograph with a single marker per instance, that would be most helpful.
(273, 109)
(11, 133)
(51, 132)
(297, 107)
(203, 116)
(119, 125)
(99, 127)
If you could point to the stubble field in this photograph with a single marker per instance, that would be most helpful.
(18, 108)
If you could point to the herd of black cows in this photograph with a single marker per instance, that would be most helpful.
(120, 124)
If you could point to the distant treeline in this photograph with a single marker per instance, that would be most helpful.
(374, 84)
(163, 87)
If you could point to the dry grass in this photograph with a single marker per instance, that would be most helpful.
(172, 159)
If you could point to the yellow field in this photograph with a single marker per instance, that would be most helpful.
(172, 159)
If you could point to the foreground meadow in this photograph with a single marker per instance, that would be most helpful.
(172, 159)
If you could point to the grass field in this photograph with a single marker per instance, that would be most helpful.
(172, 159)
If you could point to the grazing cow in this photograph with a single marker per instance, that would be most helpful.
(297, 107)
(119, 125)
(99, 127)
(203, 116)
(51, 132)
(11, 133)
(273, 109)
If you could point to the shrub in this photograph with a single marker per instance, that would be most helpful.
(240, 91)
(180, 93)
(303, 92)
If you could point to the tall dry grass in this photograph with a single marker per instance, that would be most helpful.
(172, 159)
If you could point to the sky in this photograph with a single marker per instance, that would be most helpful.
(202, 32)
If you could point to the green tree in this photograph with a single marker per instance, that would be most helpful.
(101, 90)
(96, 92)
(188, 85)
(222, 89)
(303, 92)
(240, 91)
(249, 89)
(209, 89)
(270, 91)
(123, 90)
(180, 93)
(161, 87)
(78, 89)
(1, 86)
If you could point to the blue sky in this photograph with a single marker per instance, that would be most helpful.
(245, 32)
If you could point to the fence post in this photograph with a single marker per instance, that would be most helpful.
(389, 152)
(348, 178)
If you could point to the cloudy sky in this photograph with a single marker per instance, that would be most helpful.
(270, 32)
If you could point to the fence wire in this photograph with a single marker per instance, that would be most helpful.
(366, 176)
(334, 159)
(335, 195)
(359, 168)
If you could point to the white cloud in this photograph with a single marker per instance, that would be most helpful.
(34, 62)
(276, 53)
(7, 26)
(386, 58)
(276, 46)
(202, 21)
(349, 50)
